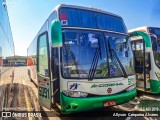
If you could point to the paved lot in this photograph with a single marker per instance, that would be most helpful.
(23, 96)
(5, 80)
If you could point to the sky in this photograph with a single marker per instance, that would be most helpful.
(27, 16)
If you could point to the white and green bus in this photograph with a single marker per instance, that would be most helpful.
(146, 48)
(81, 59)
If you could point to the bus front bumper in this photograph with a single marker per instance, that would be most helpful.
(72, 105)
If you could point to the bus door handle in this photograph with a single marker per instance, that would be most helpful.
(53, 80)
(55, 93)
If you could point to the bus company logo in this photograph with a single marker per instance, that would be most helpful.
(109, 90)
(74, 86)
(106, 85)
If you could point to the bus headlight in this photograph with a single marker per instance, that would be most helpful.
(75, 94)
(131, 88)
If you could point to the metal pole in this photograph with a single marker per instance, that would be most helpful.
(144, 65)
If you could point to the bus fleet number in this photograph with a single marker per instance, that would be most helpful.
(44, 92)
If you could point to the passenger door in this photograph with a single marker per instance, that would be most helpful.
(43, 71)
(142, 63)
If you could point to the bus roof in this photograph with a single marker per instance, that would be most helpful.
(83, 8)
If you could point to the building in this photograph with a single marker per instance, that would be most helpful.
(17, 60)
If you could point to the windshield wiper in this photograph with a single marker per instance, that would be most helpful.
(97, 55)
(94, 64)
(120, 64)
(113, 53)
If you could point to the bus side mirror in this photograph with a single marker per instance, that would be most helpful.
(56, 33)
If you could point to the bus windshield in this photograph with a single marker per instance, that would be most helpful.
(156, 44)
(84, 54)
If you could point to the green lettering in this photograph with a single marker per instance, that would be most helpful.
(106, 85)
(93, 86)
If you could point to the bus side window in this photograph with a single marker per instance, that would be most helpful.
(154, 43)
(55, 74)
(55, 62)
(43, 55)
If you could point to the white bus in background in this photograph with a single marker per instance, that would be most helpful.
(81, 59)
(146, 48)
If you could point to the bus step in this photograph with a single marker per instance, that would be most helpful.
(58, 105)
(142, 89)
(140, 79)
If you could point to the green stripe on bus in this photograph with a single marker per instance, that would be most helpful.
(145, 37)
(91, 103)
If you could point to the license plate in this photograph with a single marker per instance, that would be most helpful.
(109, 103)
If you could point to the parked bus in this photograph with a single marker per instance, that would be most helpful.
(146, 46)
(6, 50)
(81, 59)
